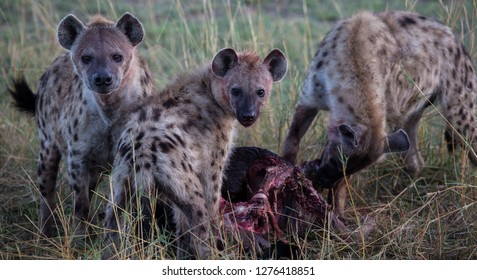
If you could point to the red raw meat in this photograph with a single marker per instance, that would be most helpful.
(266, 197)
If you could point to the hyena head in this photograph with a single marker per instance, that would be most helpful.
(349, 150)
(243, 82)
(101, 51)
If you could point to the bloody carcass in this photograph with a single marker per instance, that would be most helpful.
(265, 199)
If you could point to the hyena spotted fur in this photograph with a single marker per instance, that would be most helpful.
(177, 143)
(77, 103)
(376, 74)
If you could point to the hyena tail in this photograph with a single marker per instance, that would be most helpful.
(24, 99)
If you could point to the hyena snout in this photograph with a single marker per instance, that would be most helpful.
(344, 154)
(103, 82)
(247, 111)
(247, 117)
(314, 173)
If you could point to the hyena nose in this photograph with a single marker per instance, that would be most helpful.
(248, 116)
(102, 80)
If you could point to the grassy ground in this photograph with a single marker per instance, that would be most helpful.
(431, 217)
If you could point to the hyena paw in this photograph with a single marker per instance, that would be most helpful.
(413, 165)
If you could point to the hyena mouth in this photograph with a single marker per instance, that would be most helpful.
(323, 174)
(246, 123)
(103, 90)
(247, 119)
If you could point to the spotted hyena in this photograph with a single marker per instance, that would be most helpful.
(376, 74)
(77, 104)
(178, 142)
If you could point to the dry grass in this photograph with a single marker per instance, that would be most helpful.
(432, 217)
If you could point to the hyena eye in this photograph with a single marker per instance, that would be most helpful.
(86, 59)
(236, 91)
(261, 93)
(117, 57)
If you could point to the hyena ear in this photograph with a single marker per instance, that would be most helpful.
(132, 28)
(349, 140)
(69, 30)
(223, 61)
(396, 142)
(277, 64)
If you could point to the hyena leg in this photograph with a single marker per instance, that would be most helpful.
(192, 226)
(83, 177)
(144, 206)
(94, 179)
(337, 196)
(302, 119)
(79, 181)
(183, 237)
(47, 173)
(413, 160)
(452, 143)
(459, 111)
(460, 137)
(191, 217)
(157, 217)
(113, 215)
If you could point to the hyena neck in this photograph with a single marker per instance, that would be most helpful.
(205, 84)
(218, 92)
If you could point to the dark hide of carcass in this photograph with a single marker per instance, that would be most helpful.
(265, 199)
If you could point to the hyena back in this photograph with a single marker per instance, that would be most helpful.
(177, 143)
(376, 74)
(77, 103)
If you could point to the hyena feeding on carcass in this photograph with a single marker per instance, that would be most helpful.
(177, 144)
(79, 99)
(376, 74)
